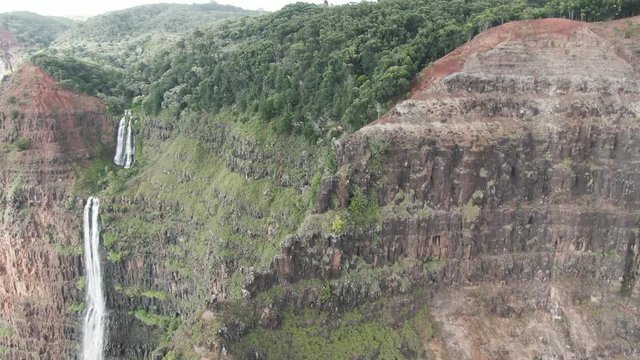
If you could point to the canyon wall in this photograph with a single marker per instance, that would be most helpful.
(46, 132)
(501, 196)
(508, 179)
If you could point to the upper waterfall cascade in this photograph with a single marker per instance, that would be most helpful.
(126, 146)
(95, 308)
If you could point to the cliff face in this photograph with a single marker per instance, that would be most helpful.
(498, 203)
(511, 173)
(45, 131)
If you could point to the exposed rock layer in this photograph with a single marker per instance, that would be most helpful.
(44, 132)
(513, 165)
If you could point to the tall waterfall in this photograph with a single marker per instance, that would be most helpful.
(126, 146)
(94, 317)
(119, 158)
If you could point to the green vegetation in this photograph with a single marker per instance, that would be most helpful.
(405, 206)
(114, 257)
(326, 292)
(338, 224)
(75, 308)
(33, 29)
(69, 250)
(14, 195)
(5, 332)
(81, 282)
(154, 294)
(364, 210)
(86, 77)
(108, 240)
(22, 144)
(167, 322)
(470, 212)
(155, 18)
(99, 173)
(313, 334)
(268, 65)
(229, 206)
(108, 55)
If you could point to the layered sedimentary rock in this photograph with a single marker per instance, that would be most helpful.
(45, 131)
(511, 171)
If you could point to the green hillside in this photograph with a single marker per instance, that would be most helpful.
(108, 55)
(33, 29)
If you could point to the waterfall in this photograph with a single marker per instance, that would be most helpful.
(119, 158)
(93, 325)
(126, 146)
(130, 147)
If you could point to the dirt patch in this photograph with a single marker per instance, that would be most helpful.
(38, 92)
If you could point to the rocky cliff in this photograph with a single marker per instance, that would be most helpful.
(46, 132)
(490, 215)
(512, 170)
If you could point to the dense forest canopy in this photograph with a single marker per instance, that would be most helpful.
(105, 55)
(307, 68)
(139, 20)
(33, 29)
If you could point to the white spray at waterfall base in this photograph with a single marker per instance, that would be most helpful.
(126, 145)
(94, 317)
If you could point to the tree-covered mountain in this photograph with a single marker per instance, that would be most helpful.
(32, 29)
(308, 68)
(106, 55)
(169, 19)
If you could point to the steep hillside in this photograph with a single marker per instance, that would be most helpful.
(521, 146)
(490, 215)
(45, 133)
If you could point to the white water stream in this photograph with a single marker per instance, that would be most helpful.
(94, 317)
(126, 145)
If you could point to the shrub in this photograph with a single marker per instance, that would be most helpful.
(325, 293)
(22, 144)
(338, 224)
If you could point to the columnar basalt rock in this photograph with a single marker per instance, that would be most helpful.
(513, 161)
